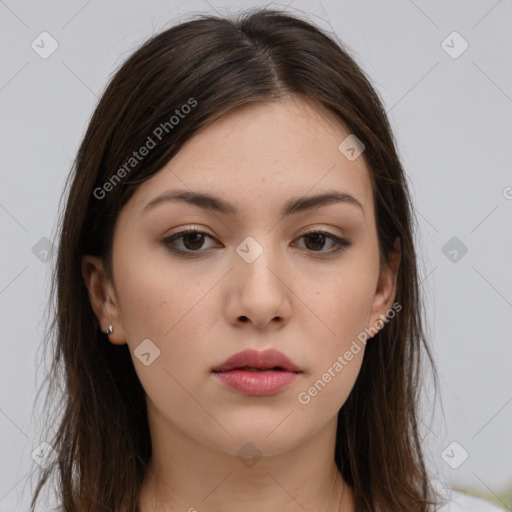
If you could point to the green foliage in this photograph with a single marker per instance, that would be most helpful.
(503, 499)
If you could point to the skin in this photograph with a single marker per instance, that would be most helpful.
(294, 297)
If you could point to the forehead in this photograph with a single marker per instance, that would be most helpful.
(264, 153)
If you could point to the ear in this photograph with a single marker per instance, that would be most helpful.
(385, 292)
(103, 299)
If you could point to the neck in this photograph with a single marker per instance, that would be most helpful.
(189, 476)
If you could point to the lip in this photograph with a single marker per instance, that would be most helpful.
(276, 373)
(266, 359)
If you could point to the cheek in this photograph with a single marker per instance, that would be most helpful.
(335, 363)
(338, 304)
(172, 312)
(337, 357)
(157, 294)
(174, 309)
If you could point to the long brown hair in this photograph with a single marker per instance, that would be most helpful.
(215, 65)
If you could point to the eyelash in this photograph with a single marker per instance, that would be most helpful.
(341, 243)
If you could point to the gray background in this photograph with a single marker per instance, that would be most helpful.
(452, 118)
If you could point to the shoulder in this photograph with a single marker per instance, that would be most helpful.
(462, 502)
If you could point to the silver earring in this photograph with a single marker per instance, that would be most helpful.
(109, 330)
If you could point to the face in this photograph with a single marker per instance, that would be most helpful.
(306, 283)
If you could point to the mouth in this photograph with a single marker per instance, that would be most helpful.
(256, 373)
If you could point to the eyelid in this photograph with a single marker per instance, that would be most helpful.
(200, 229)
(190, 228)
(321, 228)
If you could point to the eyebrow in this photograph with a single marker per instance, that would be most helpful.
(294, 205)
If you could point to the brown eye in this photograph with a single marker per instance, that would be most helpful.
(192, 241)
(315, 242)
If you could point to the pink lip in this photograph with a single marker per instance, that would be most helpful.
(279, 372)
(266, 359)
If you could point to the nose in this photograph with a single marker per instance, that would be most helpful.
(260, 290)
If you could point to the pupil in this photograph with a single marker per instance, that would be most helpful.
(317, 237)
(199, 242)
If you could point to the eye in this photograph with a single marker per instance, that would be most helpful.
(192, 241)
(315, 241)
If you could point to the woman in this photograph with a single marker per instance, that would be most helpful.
(238, 315)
